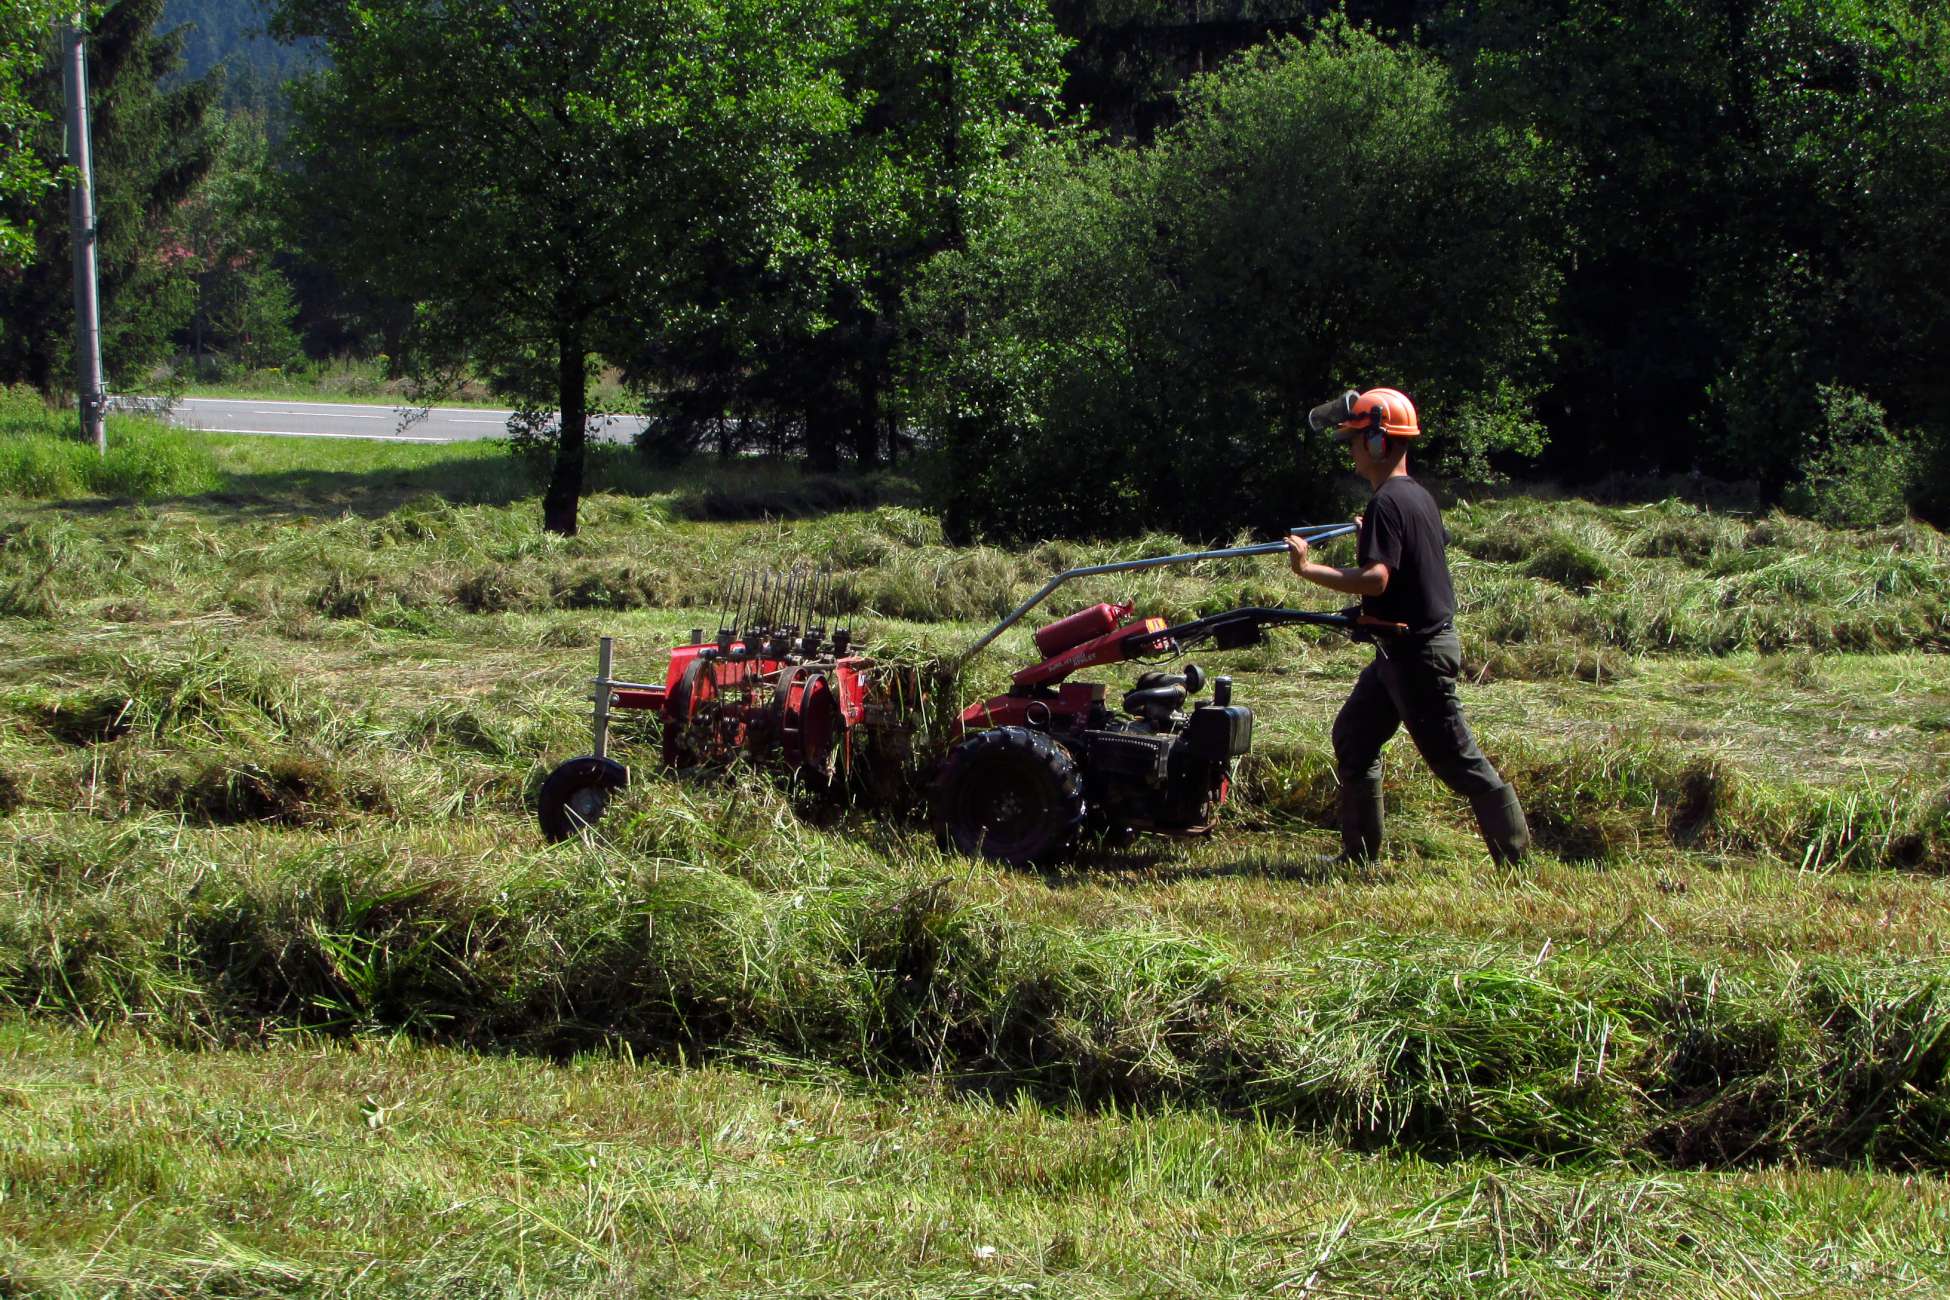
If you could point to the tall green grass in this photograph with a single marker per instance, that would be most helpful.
(1547, 588)
(1613, 796)
(43, 457)
(241, 738)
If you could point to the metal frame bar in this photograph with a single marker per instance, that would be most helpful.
(1312, 533)
(1256, 615)
(603, 685)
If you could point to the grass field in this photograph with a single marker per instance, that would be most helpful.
(298, 1003)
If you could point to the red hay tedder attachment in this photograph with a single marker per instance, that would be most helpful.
(1025, 772)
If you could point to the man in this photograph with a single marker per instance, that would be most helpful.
(1402, 577)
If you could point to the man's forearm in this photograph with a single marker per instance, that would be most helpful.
(1349, 582)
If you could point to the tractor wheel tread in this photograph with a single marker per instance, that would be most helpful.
(1038, 767)
(552, 804)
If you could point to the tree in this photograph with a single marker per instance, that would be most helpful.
(942, 91)
(230, 233)
(152, 147)
(1136, 339)
(534, 173)
(24, 172)
(1757, 215)
(1130, 58)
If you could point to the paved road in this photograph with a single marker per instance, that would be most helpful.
(346, 420)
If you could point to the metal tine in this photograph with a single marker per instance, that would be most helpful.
(786, 603)
(801, 605)
(743, 582)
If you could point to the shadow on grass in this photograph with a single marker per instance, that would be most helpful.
(1155, 860)
(491, 475)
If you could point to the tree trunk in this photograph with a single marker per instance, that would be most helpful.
(866, 415)
(822, 437)
(565, 484)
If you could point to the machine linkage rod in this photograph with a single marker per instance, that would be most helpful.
(1313, 533)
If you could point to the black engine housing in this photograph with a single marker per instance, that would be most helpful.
(1144, 777)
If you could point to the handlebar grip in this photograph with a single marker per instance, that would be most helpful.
(1328, 414)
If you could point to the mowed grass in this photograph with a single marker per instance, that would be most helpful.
(383, 1167)
(267, 749)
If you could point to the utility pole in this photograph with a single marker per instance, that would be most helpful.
(81, 222)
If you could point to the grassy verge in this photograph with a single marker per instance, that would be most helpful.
(345, 380)
(42, 456)
(133, 1168)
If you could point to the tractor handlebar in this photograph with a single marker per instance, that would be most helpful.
(1314, 533)
(1238, 628)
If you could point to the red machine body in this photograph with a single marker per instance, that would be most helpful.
(1024, 772)
(1084, 625)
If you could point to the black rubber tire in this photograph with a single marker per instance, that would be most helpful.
(1010, 795)
(576, 794)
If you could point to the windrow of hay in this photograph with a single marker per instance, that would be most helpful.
(695, 933)
(1552, 587)
(1615, 795)
(212, 732)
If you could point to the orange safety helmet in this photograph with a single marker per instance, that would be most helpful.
(1382, 409)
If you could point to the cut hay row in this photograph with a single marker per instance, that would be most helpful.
(1552, 588)
(689, 934)
(418, 1171)
(219, 736)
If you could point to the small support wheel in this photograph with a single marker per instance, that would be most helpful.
(1012, 795)
(576, 794)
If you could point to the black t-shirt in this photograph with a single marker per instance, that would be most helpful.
(1402, 528)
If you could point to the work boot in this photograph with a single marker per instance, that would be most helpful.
(1360, 821)
(1499, 815)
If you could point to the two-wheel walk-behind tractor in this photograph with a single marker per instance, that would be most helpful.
(1024, 773)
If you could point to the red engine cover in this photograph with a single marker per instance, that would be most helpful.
(1084, 625)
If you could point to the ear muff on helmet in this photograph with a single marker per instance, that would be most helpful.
(1377, 443)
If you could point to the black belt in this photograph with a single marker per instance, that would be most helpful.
(1383, 643)
(1446, 625)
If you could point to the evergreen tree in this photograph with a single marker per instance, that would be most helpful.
(151, 148)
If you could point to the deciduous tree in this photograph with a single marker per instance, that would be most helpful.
(535, 174)
(942, 91)
(1136, 339)
(25, 46)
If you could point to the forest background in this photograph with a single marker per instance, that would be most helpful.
(1100, 255)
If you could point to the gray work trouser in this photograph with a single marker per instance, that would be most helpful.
(1412, 682)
